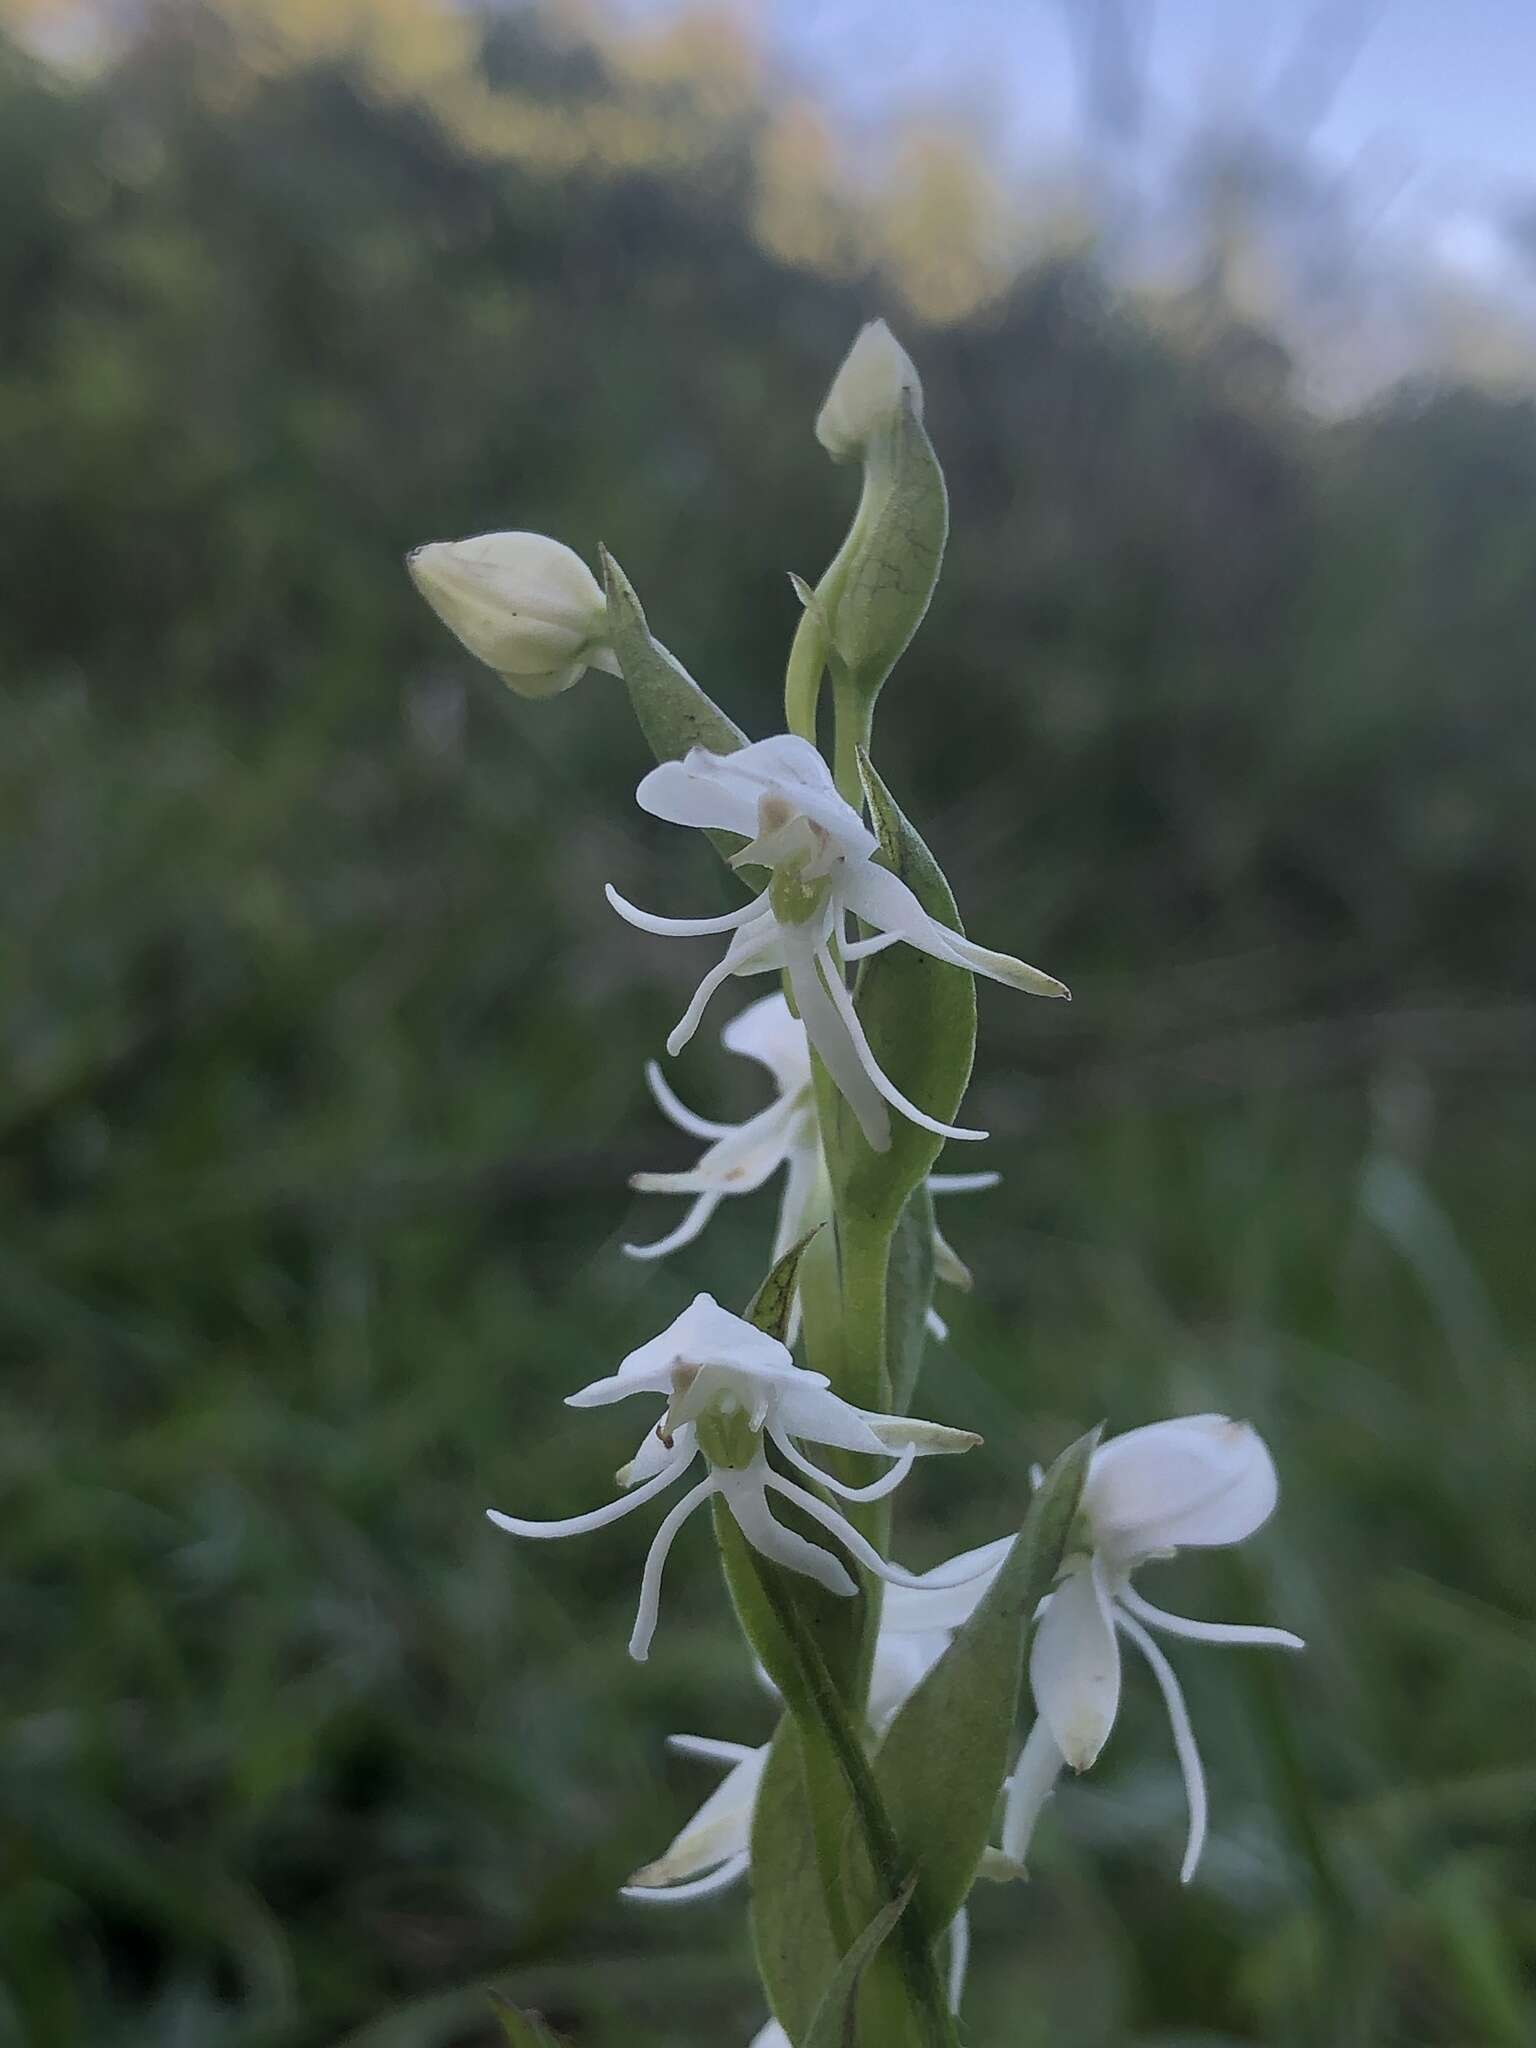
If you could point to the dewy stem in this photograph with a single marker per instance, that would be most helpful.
(914, 1949)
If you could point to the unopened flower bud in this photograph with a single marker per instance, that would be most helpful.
(867, 392)
(522, 603)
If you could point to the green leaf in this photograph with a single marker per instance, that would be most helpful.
(770, 1307)
(522, 2029)
(795, 1950)
(877, 590)
(909, 1296)
(920, 1017)
(674, 713)
(834, 2022)
(943, 1762)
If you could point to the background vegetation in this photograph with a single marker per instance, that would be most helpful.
(322, 1052)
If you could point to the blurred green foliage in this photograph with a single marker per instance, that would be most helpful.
(322, 1080)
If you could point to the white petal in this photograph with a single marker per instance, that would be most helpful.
(1200, 1479)
(655, 1565)
(690, 1227)
(865, 949)
(790, 768)
(1206, 1631)
(767, 1031)
(1003, 967)
(829, 1035)
(927, 1439)
(1034, 1779)
(747, 1500)
(846, 1534)
(693, 792)
(884, 900)
(704, 1333)
(887, 1087)
(799, 1191)
(949, 1595)
(1183, 1741)
(720, 1831)
(599, 1518)
(962, 1183)
(936, 1326)
(771, 2036)
(678, 1112)
(710, 1749)
(753, 950)
(822, 1417)
(876, 1490)
(660, 1893)
(653, 1454)
(1074, 1666)
(683, 927)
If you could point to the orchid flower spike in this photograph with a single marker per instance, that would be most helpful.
(1195, 1482)
(778, 795)
(730, 1391)
(741, 1157)
(526, 605)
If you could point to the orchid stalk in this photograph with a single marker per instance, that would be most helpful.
(925, 1717)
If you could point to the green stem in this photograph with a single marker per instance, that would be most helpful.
(864, 1255)
(819, 1696)
(855, 709)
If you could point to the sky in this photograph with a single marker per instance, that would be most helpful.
(1424, 106)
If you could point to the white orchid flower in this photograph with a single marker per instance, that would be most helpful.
(779, 795)
(526, 605)
(742, 1157)
(1195, 1482)
(730, 1391)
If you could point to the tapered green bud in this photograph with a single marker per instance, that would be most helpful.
(872, 599)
